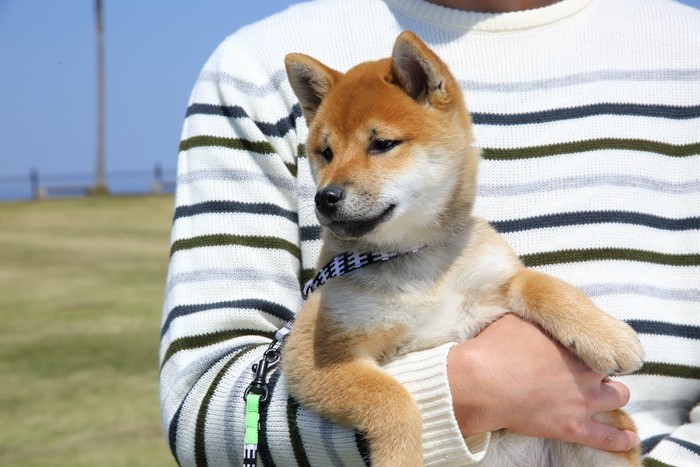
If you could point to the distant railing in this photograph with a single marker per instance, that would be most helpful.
(38, 185)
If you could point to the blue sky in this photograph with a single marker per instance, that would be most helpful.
(154, 51)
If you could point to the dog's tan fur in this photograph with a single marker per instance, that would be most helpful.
(418, 193)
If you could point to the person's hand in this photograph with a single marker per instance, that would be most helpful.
(514, 376)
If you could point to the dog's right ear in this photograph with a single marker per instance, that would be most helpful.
(311, 80)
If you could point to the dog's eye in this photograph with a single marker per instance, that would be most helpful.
(379, 146)
(327, 154)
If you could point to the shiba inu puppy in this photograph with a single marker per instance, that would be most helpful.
(390, 146)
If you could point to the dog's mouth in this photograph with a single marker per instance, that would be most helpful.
(355, 228)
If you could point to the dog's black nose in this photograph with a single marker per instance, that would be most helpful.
(328, 198)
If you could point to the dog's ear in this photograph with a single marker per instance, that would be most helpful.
(421, 73)
(311, 80)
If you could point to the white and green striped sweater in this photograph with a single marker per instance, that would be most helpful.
(589, 115)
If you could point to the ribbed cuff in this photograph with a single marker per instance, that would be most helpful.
(425, 376)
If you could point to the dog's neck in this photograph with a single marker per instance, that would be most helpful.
(348, 262)
(439, 237)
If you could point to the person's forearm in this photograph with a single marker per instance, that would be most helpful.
(425, 375)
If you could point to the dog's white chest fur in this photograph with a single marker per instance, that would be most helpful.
(434, 295)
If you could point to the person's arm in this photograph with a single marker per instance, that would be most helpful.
(233, 277)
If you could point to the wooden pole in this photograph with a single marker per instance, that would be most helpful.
(100, 186)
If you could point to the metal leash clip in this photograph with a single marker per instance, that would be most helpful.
(268, 362)
(257, 393)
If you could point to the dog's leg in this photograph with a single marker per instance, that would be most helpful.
(325, 375)
(364, 397)
(605, 344)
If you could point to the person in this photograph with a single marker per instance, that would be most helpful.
(588, 113)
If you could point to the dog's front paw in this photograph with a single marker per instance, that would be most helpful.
(611, 347)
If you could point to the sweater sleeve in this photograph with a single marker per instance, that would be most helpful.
(681, 447)
(237, 256)
(233, 276)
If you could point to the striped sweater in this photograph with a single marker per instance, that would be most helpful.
(588, 113)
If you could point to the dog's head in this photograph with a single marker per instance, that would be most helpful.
(390, 145)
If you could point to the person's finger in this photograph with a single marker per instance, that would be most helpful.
(613, 395)
(607, 438)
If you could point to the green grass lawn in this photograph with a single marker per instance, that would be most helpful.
(81, 289)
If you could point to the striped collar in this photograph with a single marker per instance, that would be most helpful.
(346, 262)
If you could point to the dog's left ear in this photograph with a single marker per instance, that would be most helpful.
(421, 73)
